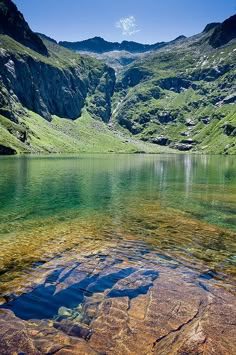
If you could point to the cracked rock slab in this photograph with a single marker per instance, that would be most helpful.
(175, 317)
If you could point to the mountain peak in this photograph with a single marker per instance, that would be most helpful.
(224, 33)
(97, 38)
(179, 38)
(211, 26)
(13, 24)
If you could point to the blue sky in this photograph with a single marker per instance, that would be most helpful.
(146, 21)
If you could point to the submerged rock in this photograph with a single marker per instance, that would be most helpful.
(134, 300)
(14, 336)
(175, 317)
(72, 329)
(65, 312)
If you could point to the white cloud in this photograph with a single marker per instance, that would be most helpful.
(127, 25)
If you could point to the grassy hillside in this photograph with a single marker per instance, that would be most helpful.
(66, 136)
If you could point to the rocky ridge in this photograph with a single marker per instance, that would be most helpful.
(99, 45)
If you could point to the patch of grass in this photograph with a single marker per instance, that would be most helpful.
(8, 135)
(212, 137)
(66, 136)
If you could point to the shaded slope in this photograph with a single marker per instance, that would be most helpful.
(224, 33)
(13, 24)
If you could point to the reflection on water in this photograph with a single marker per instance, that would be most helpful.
(37, 187)
(173, 203)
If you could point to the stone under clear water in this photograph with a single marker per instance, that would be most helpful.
(118, 254)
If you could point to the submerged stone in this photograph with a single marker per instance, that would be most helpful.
(65, 312)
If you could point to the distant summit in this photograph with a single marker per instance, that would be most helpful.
(43, 36)
(99, 45)
(96, 45)
(13, 24)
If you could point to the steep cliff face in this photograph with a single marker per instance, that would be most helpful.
(49, 89)
(39, 77)
(45, 78)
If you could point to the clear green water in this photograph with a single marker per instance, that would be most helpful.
(174, 203)
(37, 187)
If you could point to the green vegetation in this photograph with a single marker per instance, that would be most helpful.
(181, 96)
(66, 136)
(184, 94)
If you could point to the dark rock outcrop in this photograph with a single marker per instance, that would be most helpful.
(230, 99)
(229, 129)
(165, 117)
(161, 140)
(13, 24)
(188, 141)
(6, 150)
(206, 120)
(224, 33)
(134, 76)
(175, 84)
(211, 73)
(183, 147)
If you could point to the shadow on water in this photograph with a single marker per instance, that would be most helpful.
(134, 292)
(44, 302)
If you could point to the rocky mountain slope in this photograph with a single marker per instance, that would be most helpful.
(183, 95)
(180, 95)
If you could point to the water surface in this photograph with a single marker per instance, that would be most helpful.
(170, 209)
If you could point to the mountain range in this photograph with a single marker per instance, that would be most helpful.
(100, 96)
(99, 45)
